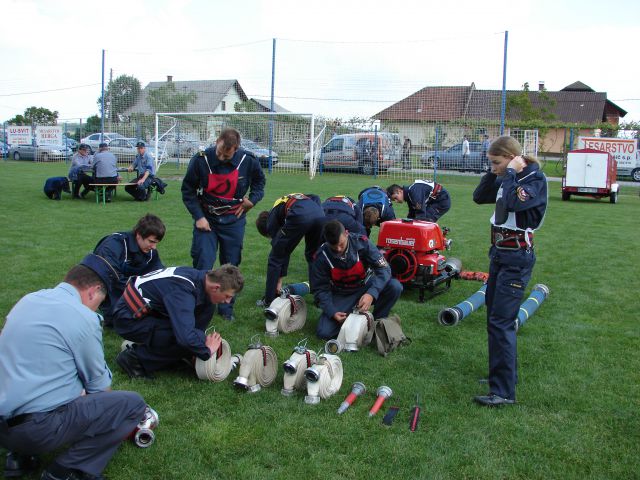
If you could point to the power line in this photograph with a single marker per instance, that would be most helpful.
(46, 91)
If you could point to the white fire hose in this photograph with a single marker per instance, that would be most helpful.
(295, 367)
(285, 314)
(258, 368)
(219, 365)
(323, 379)
(356, 331)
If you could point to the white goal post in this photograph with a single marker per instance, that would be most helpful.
(281, 141)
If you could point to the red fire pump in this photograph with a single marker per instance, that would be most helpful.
(412, 249)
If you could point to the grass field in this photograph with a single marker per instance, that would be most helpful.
(579, 356)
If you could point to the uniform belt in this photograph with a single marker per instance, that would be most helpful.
(506, 239)
(17, 420)
(220, 208)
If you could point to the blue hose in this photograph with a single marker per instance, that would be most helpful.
(538, 295)
(451, 316)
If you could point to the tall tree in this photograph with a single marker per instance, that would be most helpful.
(35, 116)
(120, 94)
(167, 99)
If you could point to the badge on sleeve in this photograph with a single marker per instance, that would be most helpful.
(381, 262)
(523, 195)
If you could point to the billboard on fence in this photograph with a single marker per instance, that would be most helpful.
(49, 134)
(624, 150)
(17, 135)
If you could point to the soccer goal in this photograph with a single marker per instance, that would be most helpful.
(280, 141)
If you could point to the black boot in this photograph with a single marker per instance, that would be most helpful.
(17, 465)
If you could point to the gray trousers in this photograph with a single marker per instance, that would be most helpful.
(94, 425)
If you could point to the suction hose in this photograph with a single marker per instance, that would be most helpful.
(285, 314)
(538, 295)
(323, 379)
(219, 365)
(451, 316)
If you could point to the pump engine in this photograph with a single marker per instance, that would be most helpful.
(412, 249)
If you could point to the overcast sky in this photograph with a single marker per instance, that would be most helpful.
(335, 58)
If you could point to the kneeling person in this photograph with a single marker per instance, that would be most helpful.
(167, 312)
(349, 271)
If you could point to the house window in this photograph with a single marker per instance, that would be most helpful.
(223, 106)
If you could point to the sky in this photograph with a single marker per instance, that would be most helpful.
(339, 59)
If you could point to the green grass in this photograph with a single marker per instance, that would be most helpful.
(578, 396)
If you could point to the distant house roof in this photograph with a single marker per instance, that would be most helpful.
(576, 103)
(209, 94)
(265, 106)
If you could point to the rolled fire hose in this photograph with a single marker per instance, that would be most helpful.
(538, 295)
(219, 365)
(285, 314)
(451, 316)
(294, 369)
(323, 379)
(258, 368)
(355, 332)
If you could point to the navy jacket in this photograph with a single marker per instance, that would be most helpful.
(177, 296)
(122, 252)
(422, 206)
(524, 193)
(377, 197)
(302, 209)
(359, 247)
(250, 178)
(54, 186)
(346, 211)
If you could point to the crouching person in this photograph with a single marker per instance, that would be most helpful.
(349, 272)
(54, 381)
(144, 166)
(166, 314)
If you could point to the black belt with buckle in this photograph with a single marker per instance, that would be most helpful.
(506, 239)
(17, 420)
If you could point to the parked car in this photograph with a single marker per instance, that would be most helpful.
(71, 143)
(260, 152)
(183, 145)
(4, 149)
(43, 152)
(451, 158)
(356, 151)
(124, 149)
(94, 139)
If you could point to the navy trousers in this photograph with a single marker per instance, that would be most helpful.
(509, 274)
(139, 192)
(204, 249)
(328, 328)
(157, 348)
(93, 425)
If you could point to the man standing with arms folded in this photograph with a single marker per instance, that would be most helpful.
(214, 190)
(55, 383)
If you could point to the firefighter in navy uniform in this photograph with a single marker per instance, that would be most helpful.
(346, 211)
(166, 313)
(349, 271)
(214, 190)
(292, 217)
(376, 207)
(519, 190)
(426, 200)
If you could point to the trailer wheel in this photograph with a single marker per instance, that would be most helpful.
(635, 174)
(565, 196)
(613, 198)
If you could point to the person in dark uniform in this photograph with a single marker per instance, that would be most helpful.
(346, 211)
(145, 168)
(54, 186)
(426, 200)
(519, 190)
(292, 217)
(166, 313)
(55, 386)
(131, 254)
(376, 207)
(350, 272)
(214, 190)
(81, 165)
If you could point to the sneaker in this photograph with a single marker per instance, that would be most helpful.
(17, 465)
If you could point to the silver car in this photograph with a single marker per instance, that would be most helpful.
(43, 152)
(123, 149)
